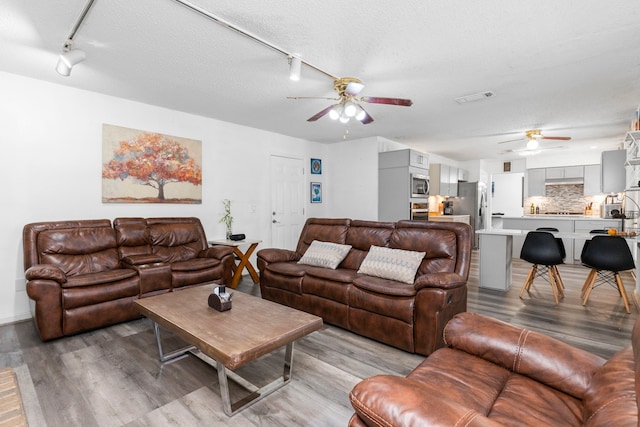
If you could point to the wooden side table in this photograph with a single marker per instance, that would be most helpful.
(243, 258)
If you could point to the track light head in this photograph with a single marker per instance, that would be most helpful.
(68, 59)
(295, 67)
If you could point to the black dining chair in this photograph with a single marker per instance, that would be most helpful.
(607, 256)
(541, 249)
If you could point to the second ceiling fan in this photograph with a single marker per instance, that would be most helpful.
(532, 137)
(348, 107)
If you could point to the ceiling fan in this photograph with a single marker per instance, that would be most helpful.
(533, 137)
(348, 106)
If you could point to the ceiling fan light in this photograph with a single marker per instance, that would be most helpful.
(361, 114)
(334, 113)
(350, 109)
(344, 119)
(532, 144)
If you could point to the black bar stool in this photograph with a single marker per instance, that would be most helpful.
(607, 256)
(541, 249)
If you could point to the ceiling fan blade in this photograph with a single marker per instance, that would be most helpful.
(389, 101)
(366, 119)
(353, 88)
(512, 140)
(557, 138)
(320, 114)
(313, 97)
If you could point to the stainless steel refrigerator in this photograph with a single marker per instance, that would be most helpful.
(472, 201)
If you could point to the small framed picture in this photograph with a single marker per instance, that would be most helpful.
(316, 166)
(316, 192)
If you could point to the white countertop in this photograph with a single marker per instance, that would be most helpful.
(554, 217)
(561, 234)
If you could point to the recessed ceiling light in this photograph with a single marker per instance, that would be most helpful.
(475, 97)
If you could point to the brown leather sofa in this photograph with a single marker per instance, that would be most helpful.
(407, 316)
(495, 374)
(86, 274)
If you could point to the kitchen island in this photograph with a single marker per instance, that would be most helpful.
(496, 246)
(564, 223)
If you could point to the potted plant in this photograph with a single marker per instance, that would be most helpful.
(227, 218)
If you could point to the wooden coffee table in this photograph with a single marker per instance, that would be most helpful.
(252, 328)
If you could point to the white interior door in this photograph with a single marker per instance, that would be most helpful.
(287, 201)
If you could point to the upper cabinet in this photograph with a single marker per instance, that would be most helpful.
(535, 179)
(591, 180)
(614, 177)
(403, 158)
(566, 172)
(443, 180)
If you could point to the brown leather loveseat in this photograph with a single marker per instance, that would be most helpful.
(496, 374)
(86, 274)
(410, 315)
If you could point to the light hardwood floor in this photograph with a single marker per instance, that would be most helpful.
(111, 377)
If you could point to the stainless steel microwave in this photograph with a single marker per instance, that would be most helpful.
(419, 185)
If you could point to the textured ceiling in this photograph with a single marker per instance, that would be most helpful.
(566, 67)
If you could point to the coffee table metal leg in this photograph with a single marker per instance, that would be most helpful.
(256, 393)
(174, 355)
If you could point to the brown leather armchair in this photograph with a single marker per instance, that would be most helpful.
(495, 374)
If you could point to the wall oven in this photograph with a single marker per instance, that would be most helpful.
(419, 211)
(419, 185)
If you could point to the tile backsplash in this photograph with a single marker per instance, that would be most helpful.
(564, 198)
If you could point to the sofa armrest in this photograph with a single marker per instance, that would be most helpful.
(142, 259)
(271, 255)
(217, 252)
(386, 400)
(45, 272)
(543, 358)
(439, 280)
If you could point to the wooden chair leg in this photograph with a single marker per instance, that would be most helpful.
(554, 283)
(526, 286)
(559, 282)
(587, 281)
(623, 292)
(555, 267)
(588, 286)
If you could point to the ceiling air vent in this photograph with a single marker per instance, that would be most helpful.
(475, 97)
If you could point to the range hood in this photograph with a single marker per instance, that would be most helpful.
(563, 181)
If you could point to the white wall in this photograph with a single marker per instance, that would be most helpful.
(52, 150)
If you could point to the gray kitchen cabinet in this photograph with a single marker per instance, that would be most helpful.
(394, 182)
(443, 180)
(591, 180)
(535, 179)
(614, 176)
(403, 158)
(564, 172)
(418, 159)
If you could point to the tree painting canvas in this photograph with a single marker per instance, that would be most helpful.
(146, 167)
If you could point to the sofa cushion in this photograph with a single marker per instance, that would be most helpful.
(384, 286)
(194, 264)
(394, 264)
(324, 254)
(99, 278)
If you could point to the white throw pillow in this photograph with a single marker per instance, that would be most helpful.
(325, 254)
(394, 264)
